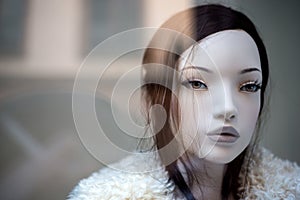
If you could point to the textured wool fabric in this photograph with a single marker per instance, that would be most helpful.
(268, 178)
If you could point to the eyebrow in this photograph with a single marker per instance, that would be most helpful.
(249, 70)
(198, 68)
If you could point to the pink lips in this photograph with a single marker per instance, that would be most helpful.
(226, 134)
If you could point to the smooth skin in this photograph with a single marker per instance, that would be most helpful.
(219, 87)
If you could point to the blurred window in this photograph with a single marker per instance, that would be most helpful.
(12, 19)
(109, 17)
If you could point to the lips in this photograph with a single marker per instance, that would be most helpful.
(226, 134)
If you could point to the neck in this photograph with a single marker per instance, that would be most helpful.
(209, 177)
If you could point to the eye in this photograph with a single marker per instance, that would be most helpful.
(251, 86)
(197, 85)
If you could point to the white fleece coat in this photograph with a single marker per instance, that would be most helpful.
(270, 178)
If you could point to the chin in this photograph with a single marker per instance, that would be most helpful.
(222, 155)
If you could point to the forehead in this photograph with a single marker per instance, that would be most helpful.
(228, 50)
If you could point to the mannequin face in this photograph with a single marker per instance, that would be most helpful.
(219, 95)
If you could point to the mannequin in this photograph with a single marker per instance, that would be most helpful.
(228, 87)
(216, 114)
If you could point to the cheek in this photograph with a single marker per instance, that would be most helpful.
(195, 108)
(196, 118)
(248, 115)
(249, 110)
(188, 124)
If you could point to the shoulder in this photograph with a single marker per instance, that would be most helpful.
(273, 178)
(140, 178)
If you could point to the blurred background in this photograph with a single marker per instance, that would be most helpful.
(42, 45)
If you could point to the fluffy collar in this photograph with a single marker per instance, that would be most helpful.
(269, 178)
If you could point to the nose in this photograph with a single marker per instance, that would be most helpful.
(225, 107)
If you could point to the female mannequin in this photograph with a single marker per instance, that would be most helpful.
(213, 117)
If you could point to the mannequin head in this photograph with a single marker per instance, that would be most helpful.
(220, 94)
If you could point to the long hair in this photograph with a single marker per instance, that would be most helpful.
(196, 23)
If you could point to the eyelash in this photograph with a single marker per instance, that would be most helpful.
(253, 86)
(249, 86)
(190, 83)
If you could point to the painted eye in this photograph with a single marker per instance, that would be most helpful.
(250, 87)
(197, 85)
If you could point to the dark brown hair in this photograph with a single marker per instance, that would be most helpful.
(196, 23)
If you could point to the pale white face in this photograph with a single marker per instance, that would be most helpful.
(220, 95)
